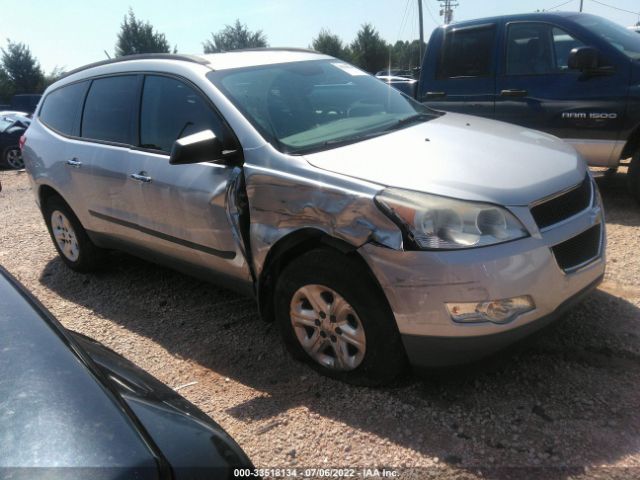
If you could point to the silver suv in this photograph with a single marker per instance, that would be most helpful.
(372, 229)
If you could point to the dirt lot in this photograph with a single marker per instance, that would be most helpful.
(571, 400)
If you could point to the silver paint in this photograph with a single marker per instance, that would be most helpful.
(332, 192)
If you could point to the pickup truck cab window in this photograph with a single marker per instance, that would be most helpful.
(467, 52)
(538, 49)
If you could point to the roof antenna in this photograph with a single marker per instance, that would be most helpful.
(107, 54)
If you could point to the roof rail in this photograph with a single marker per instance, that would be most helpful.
(142, 56)
(273, 49)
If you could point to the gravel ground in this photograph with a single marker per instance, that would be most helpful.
(571, 400)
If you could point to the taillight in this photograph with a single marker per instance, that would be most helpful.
(22, 141)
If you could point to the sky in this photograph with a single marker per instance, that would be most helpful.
(71, 33)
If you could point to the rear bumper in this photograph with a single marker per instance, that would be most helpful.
(430, 352)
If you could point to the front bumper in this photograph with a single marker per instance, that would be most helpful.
(418, 284)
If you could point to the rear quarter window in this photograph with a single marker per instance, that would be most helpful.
(61, 108)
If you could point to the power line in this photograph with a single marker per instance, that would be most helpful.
(615, 8)
(404, 19)
(558, 6)
(431, 14)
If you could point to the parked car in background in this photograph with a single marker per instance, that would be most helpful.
(72, 408)
(395, 72)
(371, 228)
(26, 102)
(12, 127)
(405, 85)
(573, 75)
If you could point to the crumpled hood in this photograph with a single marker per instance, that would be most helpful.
(464, 157)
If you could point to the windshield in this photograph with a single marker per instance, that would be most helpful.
(313, 105)
(625, 40)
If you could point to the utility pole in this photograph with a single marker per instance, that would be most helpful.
(581, 2)
(421, 29)
(446, 10)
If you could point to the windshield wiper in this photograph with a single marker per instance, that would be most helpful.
(354, 138)
(418, 117)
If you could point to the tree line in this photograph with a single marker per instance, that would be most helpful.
(20, 71)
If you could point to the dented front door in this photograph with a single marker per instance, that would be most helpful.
(189, 214)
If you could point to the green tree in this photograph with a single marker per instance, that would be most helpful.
(405, 55)
(137, 36)
(369, 51)
(21, 69)
(6, 87)
(234, 37)
(51, 77)
(330, 44)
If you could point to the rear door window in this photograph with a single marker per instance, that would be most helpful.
(467, 52)
(61, 108)
(170, 110)
(110, 109)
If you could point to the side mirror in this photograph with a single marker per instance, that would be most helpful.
(203, 146)
(584, 59)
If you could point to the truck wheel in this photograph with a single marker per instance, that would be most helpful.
(70, 238)
(633, 176)
(332, 315)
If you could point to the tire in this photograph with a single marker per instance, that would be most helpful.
(360, 344)
(633, 177)
(12, 158)
(70, 238)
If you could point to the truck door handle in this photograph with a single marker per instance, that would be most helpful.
(74, 162)
(436, 94)
(514, 92)
(141, 177)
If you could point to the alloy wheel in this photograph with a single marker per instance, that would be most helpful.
(13, 158)
(327, 327)
(65, 235)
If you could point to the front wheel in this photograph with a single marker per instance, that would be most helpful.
(633, 176)
(332, 315)
(13, 158)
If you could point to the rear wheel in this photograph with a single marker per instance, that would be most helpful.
(633, 176)
(332, 315)
(70, 238)
(13, 158)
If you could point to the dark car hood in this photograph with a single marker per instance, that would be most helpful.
(194, 445)
(54, 412)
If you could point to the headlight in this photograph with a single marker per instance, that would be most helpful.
(434, 222)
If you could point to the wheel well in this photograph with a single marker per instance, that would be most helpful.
(632, 145)
(47, 192)
(291, 247)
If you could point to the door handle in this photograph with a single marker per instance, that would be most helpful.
(513, 92)
(436, 94)
(74, 162)
(141, 177)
